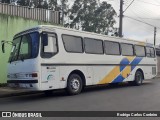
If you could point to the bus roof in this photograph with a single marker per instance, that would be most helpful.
(70, 29)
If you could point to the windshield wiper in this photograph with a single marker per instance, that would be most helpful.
(10, 59)
(13, 56)
(21, 57)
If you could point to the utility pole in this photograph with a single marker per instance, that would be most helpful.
(62, 1)
(120, 18)
(155, 30)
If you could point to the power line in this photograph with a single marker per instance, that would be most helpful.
(150, 18)
(149, 3)
(144, 17)
(128, 6)
(141, 21)
(142, 11)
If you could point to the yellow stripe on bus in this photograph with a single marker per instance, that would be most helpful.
(126, 71)
(141, 43)
(130, 58)
(116, 71)
(111, 76)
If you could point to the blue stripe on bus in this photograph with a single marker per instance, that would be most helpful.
(135, 62)
(119, 78)
(124, 62)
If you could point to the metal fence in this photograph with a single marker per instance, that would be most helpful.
(31, 13)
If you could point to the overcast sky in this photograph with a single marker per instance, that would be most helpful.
(144, 10)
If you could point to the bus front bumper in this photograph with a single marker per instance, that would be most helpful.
(27, 84)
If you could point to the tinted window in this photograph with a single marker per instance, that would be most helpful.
(140, 51)
(72, 43)
(150, 52)
(112, 48)
(35, 43)
(93, 46)
(25, 47)
(15, 48)
(158, 52)
(127, 49)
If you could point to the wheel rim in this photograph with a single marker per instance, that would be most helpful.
(75, 84)
(139, 78)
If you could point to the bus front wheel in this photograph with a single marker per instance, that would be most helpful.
(138, 78)
(74, 84)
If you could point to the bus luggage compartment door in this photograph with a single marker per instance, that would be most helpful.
(49, 77)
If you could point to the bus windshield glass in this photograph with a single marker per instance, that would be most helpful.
(25, 47)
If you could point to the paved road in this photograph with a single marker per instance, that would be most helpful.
(104, 98)
(123, 97)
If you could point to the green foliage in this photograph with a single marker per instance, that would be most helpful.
(24, 2)
(87, 15)
(5, 1)
(34, 3)
(53, 5)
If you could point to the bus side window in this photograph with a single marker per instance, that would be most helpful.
(139, 51)
(49, 45)
(127, 49)
(150, 52)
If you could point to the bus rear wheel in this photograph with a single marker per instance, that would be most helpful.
(74, 84)
(138, 79)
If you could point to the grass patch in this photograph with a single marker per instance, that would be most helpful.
(3, 84)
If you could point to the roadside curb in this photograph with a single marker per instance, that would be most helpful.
(17, 94)
(7, 92)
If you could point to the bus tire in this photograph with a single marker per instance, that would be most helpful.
(138, 78)
(74, 84)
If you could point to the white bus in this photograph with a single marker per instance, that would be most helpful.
(49, 57)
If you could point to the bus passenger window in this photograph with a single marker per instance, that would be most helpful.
(91, 44)
(150, 52)
(49, 45)
(127, 49)
(72, 44)
(139, 51)
(112, 48)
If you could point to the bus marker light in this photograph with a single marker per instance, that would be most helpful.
(34, 75)
(62, 79)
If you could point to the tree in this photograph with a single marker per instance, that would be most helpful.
(34, 3)
(87, 15)
(40, 4)
(24, 2)
(6, 1)
(53, 5)
(61, 6)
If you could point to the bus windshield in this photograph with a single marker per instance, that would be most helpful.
(25, 47)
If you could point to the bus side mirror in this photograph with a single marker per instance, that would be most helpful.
(45, 39)
(3, 49)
